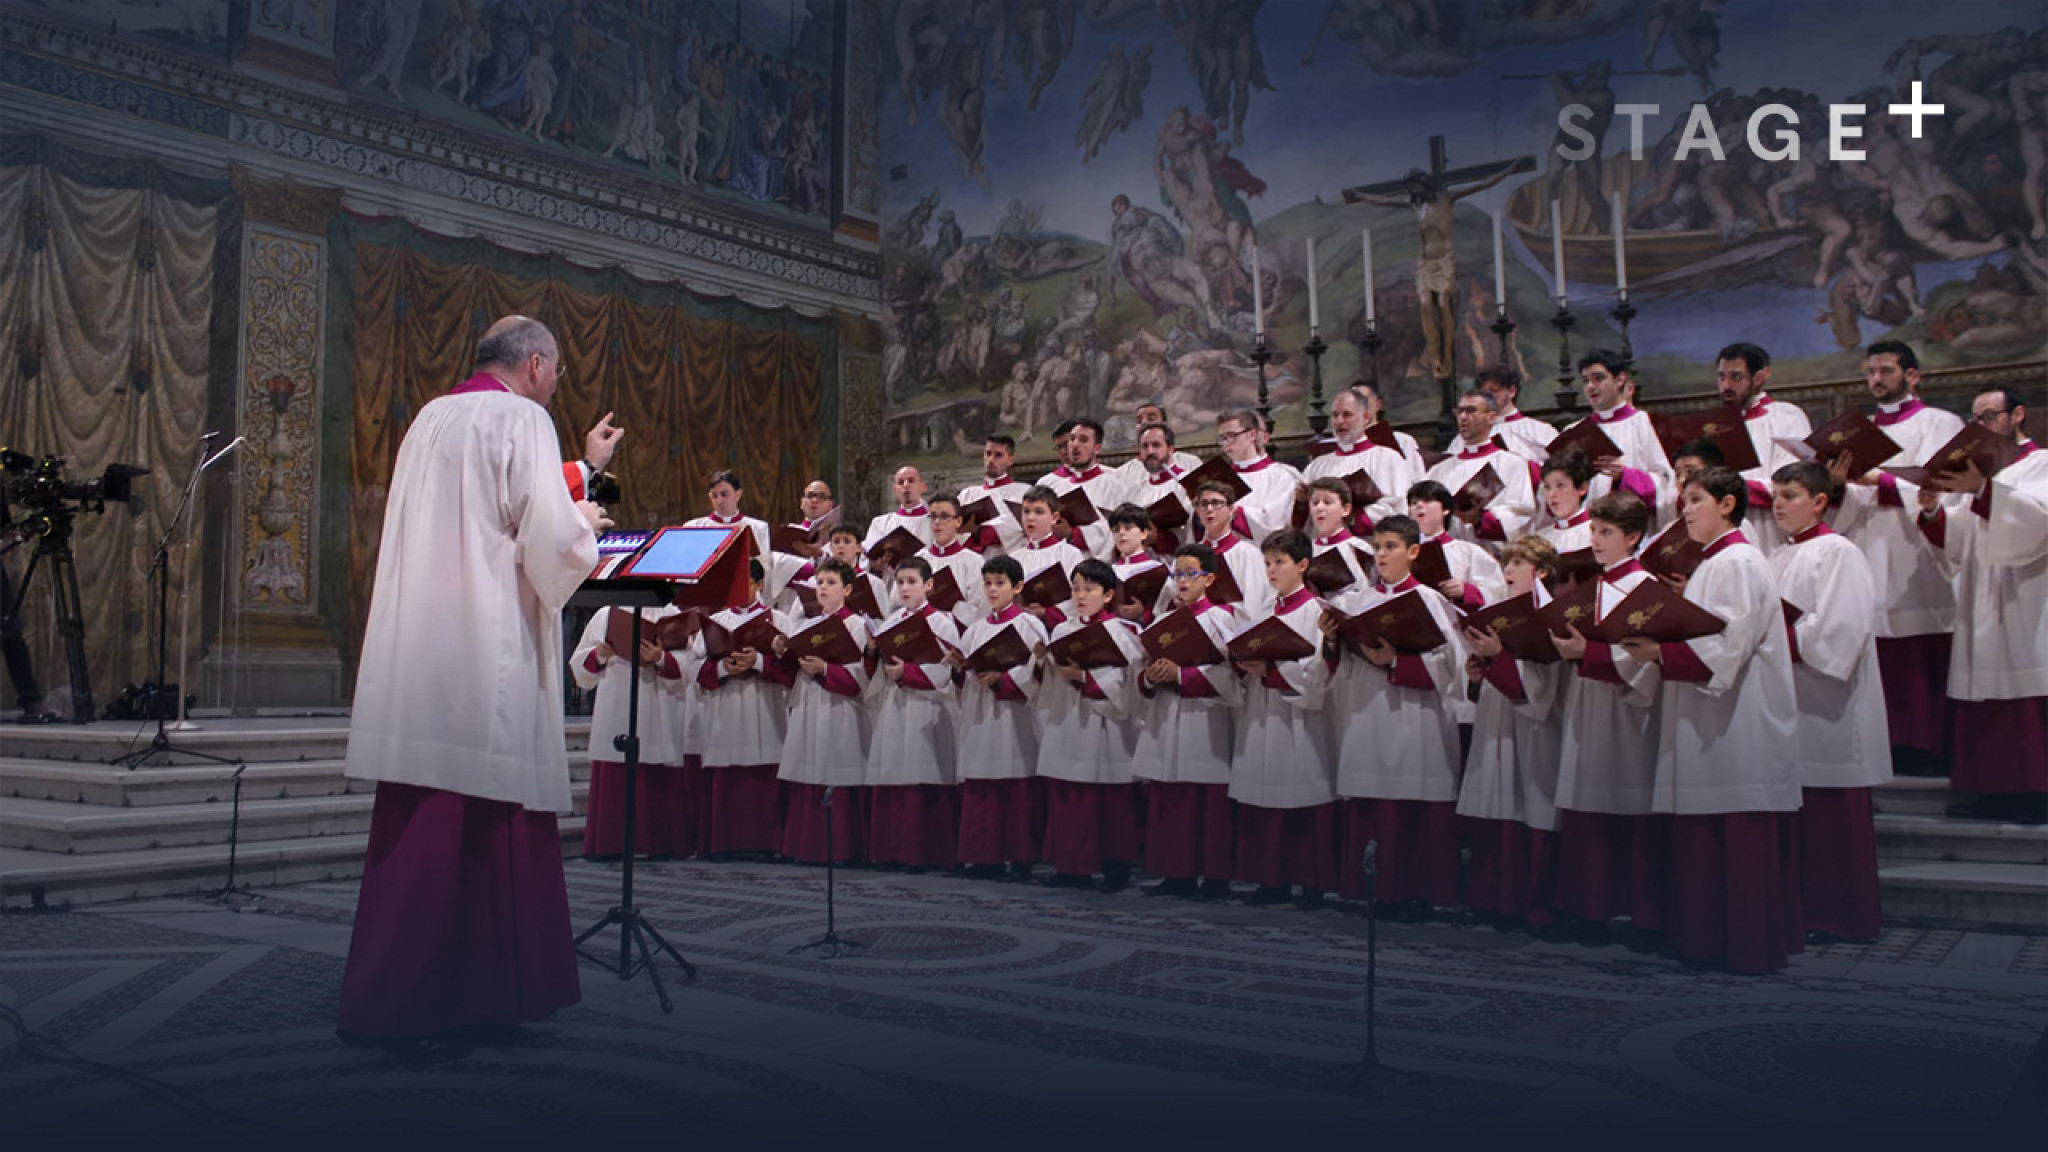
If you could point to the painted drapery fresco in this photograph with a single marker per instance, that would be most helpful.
(1080, 193)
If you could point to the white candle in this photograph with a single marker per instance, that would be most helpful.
(1365, 241)
(1500, 269)
(1258, 295)
(1620, 261)
(1557, 247)
(1315, 313)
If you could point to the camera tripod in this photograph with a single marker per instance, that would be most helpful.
(53, 543)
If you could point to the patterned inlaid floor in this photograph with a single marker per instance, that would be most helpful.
(1016, 1014)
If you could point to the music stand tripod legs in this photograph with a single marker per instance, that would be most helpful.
(833, 944)
(633, 927)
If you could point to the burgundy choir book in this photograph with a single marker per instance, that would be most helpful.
(1270, 639)
(910, 640)
(828, 640)
(1003, 651)
(1403, 623)
(1089, 646)
(1179, 638)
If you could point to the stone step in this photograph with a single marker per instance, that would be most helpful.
(109, 785)
(64, 827)
(1912, 796)
(1966, 894)
(1904, 838)
(250, 741)
(33, 879)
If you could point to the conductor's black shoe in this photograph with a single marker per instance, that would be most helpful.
(1181, 887)
(1267, 894)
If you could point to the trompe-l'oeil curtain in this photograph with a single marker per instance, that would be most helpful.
(694, 393)
(106, 301)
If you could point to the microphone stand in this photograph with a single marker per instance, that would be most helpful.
(160, 569)
(833, 944)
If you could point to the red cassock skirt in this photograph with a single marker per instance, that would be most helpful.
(1090, 826)
(1610, 866)
(1002, 821)
(804, 823)
(915, 825)
(463, 917)
(1735, 890)
(1838, 863)
(1513, 869)
(2001, 746)
(1418, 850)
(665, 815)
(1282, 847)
(1914, 672)
(1189, 830)
(745, 813)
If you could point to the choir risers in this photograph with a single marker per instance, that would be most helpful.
(1905, 838)
(1966, 894)
(1912, 796)
(85, 782)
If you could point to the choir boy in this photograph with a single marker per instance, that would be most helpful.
(1004, 533)
(744, 706)
(1395, 715)
(1240, 558)
(1269, 506)
(1185, 734)
(1042, 549)
(1282, 771)
(1916, 602)
(1131, 531)
(665, 814)
(1002, 805)
(1475, 574)
(1831, 609)
(1388, 468)
(1728, 714)
(725, 495)
(1565, 523)
(910, 514)
(1084, 752)
(1507, 802)
(1525, 437)
(1742, 372)
(1610, 844)
(1608, 381)
(913, 805)
(1508, 513)
(1103, 488)
(826, 747)
(949, 552)
(1330, 516)
(841, 544)
(1998, 675)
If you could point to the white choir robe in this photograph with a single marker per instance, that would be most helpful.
(2001, 565)
(1915, 594)
(1000, 728)
(1729, 711)
(481, 548)
(1105, 491)
(1283, 757)
(1526, 436)
(1511, 773)
(661, 702)
(775, 573)
(1396, 728)
(965, 564)
(1132, 473)
(791, 604)
(1475, 568)
(826, 742)
(1769, 421)
(1248, 568)
(743, 721)
(1412, 453)
(783, 568)
(1086, 735)
(1269, 506)
(1571, 535)
(1607, 760)
(1356, 552)
(914, 730)
(1003, 535)
(1508, 514)
(1185, 733)
(917, 519)
(1151, 487)
(1643, 454)
(1139, 563)
(1037, 556)
(1389, 470)
(1843, 738)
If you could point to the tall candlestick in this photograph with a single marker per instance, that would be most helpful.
(1500, 270)
(1557, 246)
(1620, 261)
(1258, 295)
(1365, 241)
(1315, 317)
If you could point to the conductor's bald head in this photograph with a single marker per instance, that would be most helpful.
(521, 352)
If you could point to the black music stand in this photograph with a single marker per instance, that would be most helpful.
(633, 593)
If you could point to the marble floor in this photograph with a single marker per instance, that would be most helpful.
(983, 1014)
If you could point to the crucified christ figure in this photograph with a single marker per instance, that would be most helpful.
(1434, 196)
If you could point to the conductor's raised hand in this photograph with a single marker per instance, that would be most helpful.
(600, 442)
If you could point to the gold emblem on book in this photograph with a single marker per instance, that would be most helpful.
(1642, 616)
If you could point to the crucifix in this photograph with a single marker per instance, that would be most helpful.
(1434, 195)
